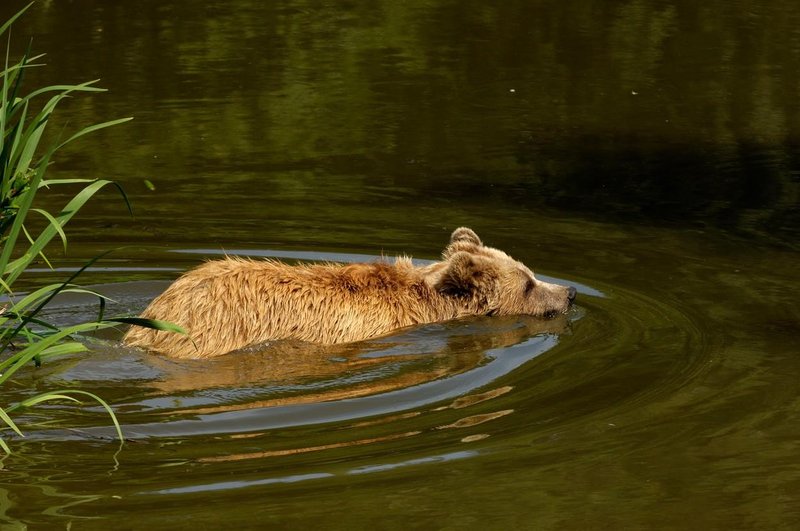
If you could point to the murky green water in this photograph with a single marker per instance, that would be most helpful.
(646, 152)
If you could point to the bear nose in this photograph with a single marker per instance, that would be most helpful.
(571, 294)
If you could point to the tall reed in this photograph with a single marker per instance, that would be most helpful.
(24, 336)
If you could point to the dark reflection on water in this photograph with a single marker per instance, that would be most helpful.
(624, 147)
(645, 109)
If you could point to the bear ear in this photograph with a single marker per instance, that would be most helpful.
(462, 239)
(466, 235)
(466, 275)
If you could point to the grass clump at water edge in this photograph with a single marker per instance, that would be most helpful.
(24, 336)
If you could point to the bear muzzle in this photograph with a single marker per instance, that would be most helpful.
(571, 294)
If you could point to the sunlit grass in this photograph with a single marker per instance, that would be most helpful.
(25, 337)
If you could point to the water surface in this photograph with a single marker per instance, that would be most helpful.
(643, 151)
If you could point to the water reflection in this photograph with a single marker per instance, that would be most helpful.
(624, 109)
(312, 388)
(308, 373)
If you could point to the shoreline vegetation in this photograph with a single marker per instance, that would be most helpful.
(26, 338)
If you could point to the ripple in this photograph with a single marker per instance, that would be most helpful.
(287, 412)
(248, 392)
(287, 384)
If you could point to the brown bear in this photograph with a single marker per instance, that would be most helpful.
(225, 305)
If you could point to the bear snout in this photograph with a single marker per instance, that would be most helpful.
(571, 294)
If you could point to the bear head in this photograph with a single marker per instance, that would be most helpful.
(486, 281)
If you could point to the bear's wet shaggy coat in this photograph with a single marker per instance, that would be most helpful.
(227, 304)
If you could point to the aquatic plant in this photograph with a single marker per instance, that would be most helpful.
(24, 336)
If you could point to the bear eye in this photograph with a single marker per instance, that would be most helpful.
(529, 285)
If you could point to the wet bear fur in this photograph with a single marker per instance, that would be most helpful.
(225, 305)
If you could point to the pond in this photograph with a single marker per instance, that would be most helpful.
(645, 152)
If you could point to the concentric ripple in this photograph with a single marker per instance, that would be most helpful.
(306, 412)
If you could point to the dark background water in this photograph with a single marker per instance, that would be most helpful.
(647, 151)
(645, 110)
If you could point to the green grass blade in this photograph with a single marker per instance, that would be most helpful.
(37, 322)
(49, 297)
(10, 21)
(22, 210)
(15, 268)
(11, 77)
(4, 113)
(155, 324)
(11, 72)
(52, 182)
(19, 75)
(34, 132)
(13, 134)
(8, 422)
(38, 399)
(64, 349)
(14, 70)
(17, 134)
(60, 394)
(28, 353)
(102, 310)
(35, 296)
(6, 288)
(60, 349)
(64, 90)
(92, 129)
(55, 224)
(86, 86)
(41, 254)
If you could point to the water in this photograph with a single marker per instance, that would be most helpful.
(645, 152)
